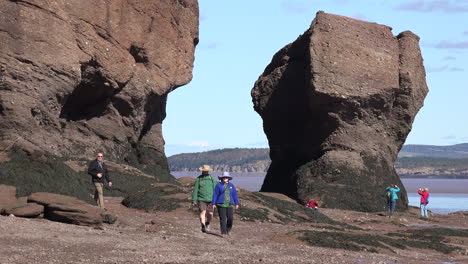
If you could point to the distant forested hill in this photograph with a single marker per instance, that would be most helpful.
(459, 151)
(413, 161)
(232, 159)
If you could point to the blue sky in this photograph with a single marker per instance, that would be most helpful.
(239, 38)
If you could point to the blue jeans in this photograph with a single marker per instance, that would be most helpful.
(391, 206)
(424, 210)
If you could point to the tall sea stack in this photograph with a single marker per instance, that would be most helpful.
(81, 76)
(337, 105)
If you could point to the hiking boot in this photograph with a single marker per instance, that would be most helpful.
(203, 228)
(207, 226)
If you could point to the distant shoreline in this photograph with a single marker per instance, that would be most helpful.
(253, 182)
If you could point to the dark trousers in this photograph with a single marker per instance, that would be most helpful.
(226, 219)
(391, 206)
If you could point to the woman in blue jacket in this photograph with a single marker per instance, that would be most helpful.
(392, 197)
(225, 199)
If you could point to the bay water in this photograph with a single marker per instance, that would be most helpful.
(446, 195)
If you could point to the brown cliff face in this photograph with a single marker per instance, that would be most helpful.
(337, 105)
(81, 76)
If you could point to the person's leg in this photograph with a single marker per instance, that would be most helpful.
(202, 220)
(230, 219)
(393, 206)
(424, 210)
(99, 195)
(209, 216)
(389, 207)
(222, 211)
(203, 208)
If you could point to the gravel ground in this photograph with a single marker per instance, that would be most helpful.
(175, 237)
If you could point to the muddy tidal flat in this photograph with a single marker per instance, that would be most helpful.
(175, 237)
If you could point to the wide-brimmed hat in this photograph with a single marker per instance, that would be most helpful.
(205, 168)
(225, 175)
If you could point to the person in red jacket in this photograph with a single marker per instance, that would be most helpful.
(424, 193)
(312, 204)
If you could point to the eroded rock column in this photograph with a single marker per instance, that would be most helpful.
(81, 76)
(337, 105)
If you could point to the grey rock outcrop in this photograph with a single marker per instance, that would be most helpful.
(81, 76)
(337, 105)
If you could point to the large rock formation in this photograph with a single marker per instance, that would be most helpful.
(81, 76)
(337, 105)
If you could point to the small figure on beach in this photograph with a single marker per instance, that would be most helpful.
(392, 198)
(202, 194)
(225, 199)
(99, 173)
(424, 193)
(312, 204)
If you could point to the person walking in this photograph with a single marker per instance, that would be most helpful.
(202, 194)
(99, 173)
(225, 199)
(392, 198)
(424, 193)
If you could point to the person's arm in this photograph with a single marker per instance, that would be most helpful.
(92, 169)
(106, 174)
(397, 189)
(195, 191)
(234, 196)
(215, 196)
(420, 192)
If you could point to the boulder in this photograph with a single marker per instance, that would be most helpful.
(76, 218)
(7, 195)
(46, 199)
(77, 77)
(8, 198)
(337, 105)
(27, 210)
(70, 210)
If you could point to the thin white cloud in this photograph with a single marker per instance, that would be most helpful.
(263, 144)
(443, 69)
(198, 144)
(452, 45)
(295, 7)
(450, 58)
(212, 45)
(446, 6)
(360, 17)
(454, 139)
(449, 137)
(203, 16)
(436, 69)
(208, 46)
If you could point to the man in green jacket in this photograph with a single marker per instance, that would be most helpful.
(202, 194)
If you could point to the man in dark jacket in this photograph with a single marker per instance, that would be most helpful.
(98, 171)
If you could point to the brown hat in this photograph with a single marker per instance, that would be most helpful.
(205, 168)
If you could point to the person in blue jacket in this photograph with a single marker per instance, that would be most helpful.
(392, 197)
(225, 199)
